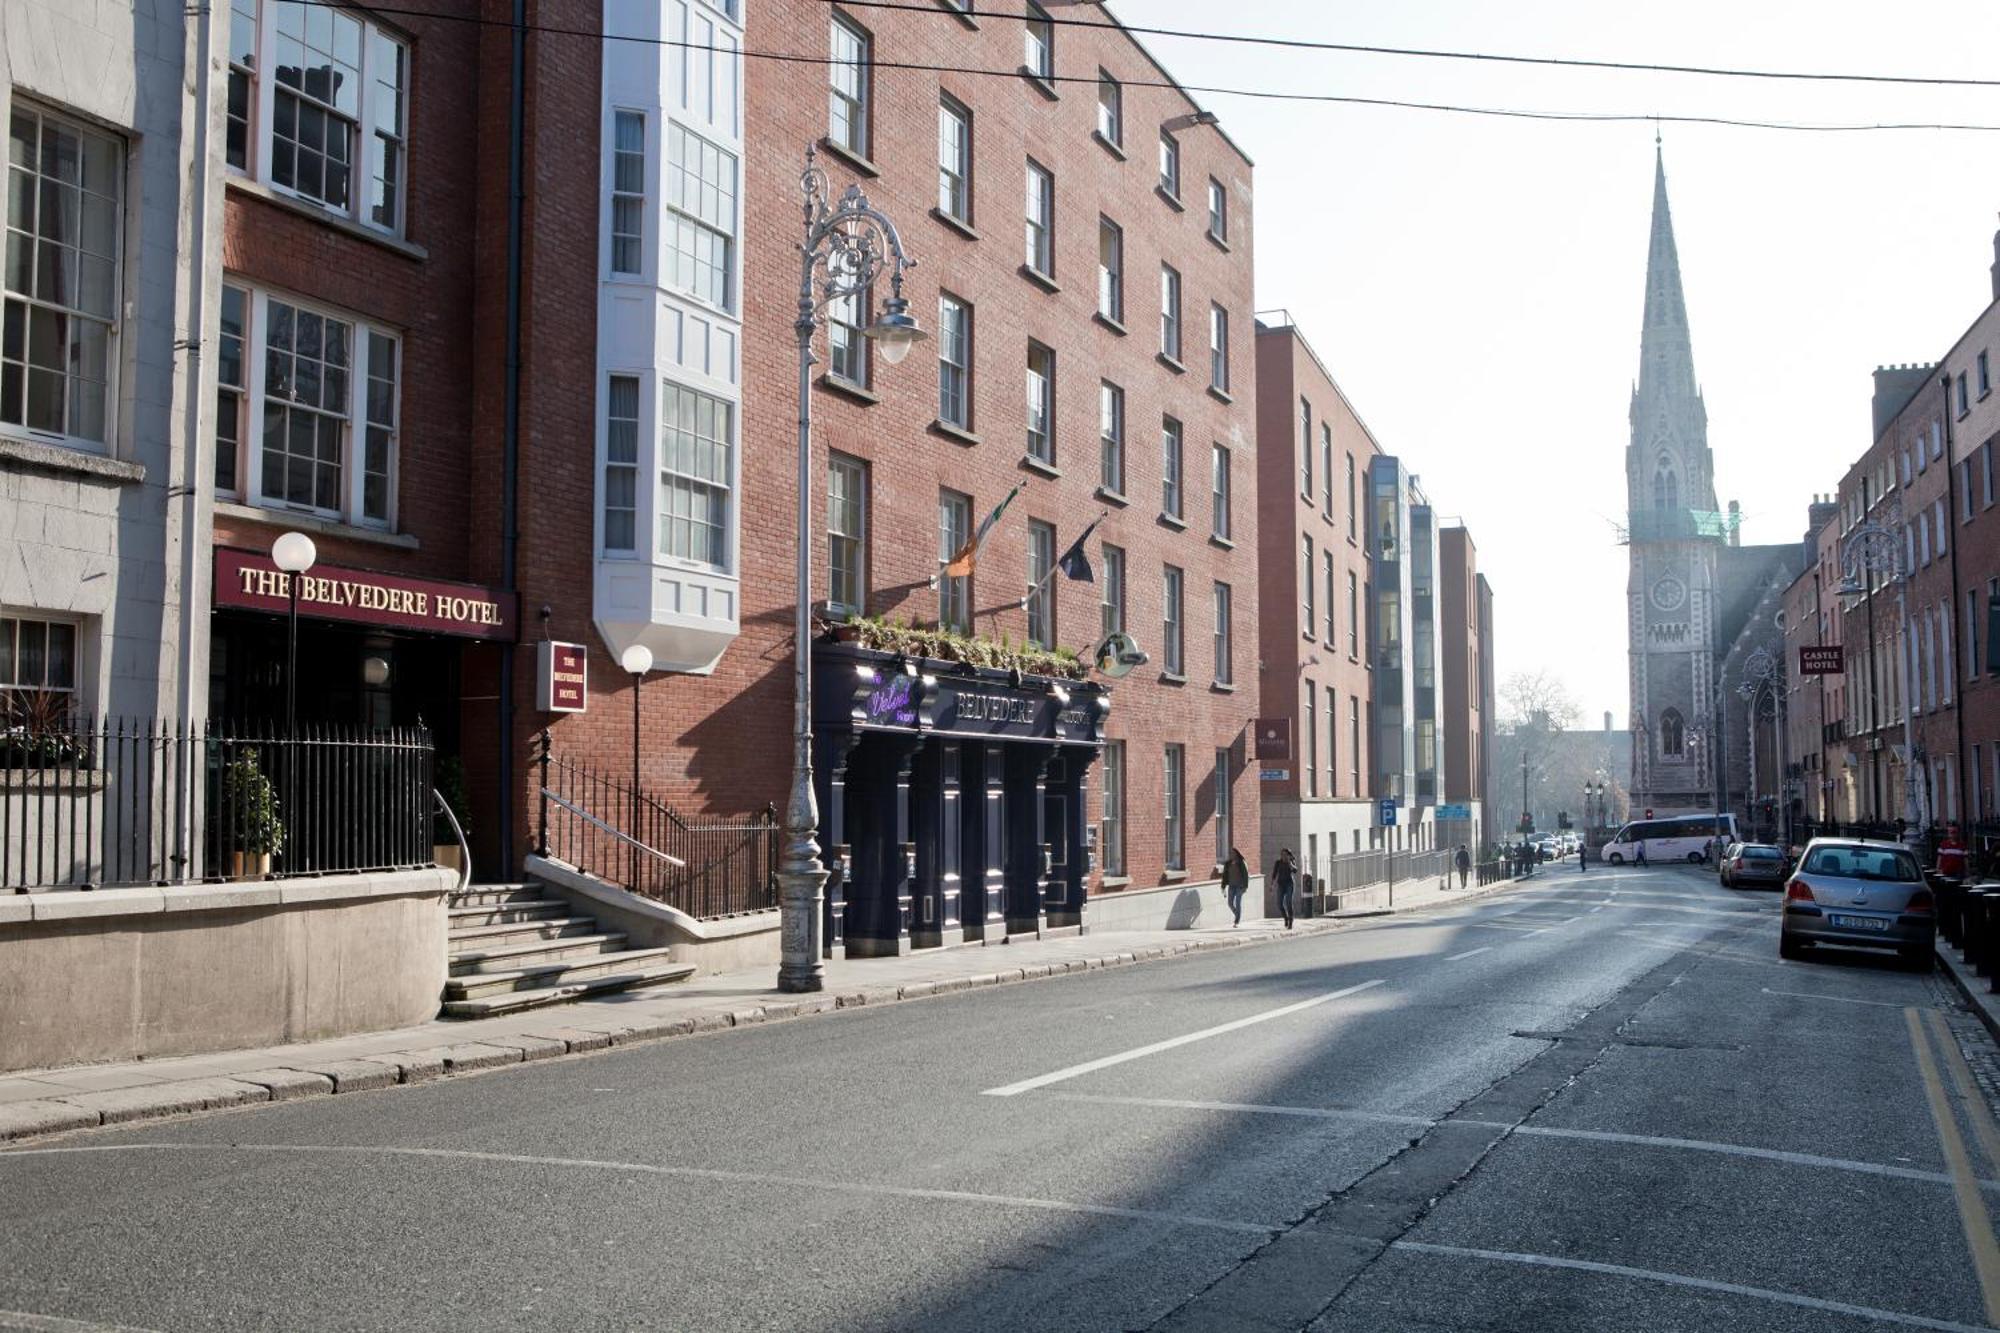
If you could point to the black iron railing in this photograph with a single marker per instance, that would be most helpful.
(93, 803)
(708, 868)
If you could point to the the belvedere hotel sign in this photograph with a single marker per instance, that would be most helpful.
(247, 580)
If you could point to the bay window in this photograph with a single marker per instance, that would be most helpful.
(700, 217)
(621, 464)
(697, 447)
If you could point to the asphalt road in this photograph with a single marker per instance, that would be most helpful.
(1594, 1102)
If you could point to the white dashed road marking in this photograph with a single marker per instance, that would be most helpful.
(1139, 1053)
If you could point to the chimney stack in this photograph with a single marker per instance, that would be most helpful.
(1895, 386)
(1607, 719)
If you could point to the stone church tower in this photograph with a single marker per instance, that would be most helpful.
(1676, 535)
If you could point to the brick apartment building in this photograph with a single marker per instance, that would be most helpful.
(1377, 683)
(1082, 232)
(619, 472)
(1315, 586)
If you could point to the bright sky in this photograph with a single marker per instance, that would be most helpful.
(1475, 284)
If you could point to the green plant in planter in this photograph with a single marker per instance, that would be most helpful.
(887, 636)
(250, 805)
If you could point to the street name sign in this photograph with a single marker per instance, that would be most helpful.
(1454, 812)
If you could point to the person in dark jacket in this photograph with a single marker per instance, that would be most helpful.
(1286, 876)
(1235, 883)
(1464, 863)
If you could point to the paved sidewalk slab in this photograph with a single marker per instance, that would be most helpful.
(1977, 990)
(39, 1102)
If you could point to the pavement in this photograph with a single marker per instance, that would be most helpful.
(35, 1102)
(1585, 1102)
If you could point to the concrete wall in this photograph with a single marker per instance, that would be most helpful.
(1174, 907)
(123, 974)
(749, 941)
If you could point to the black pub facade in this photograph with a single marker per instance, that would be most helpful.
(951, 799)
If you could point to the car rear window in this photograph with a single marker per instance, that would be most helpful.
(1864, 863)
(1760, 854)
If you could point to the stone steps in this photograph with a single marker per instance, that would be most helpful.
(514, 947)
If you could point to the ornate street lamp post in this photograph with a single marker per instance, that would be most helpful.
(847, 244)
(1872, 549)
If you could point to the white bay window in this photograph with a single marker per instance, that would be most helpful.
(701, 217)
(307, 409)
(697, 445)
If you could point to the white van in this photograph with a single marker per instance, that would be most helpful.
(1675, 838)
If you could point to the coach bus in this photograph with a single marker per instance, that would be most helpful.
(1674, 838)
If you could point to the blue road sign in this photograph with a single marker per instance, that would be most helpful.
(1387, 807)
(1454, 812)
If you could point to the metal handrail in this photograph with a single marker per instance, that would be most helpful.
(464, 848)
(619, 834)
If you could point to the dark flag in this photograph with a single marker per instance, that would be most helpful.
(1075, 563)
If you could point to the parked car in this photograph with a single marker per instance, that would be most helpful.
(1748, 863)
(1855, 891)
(1722, 865)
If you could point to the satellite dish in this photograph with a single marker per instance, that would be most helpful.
(1118, 654)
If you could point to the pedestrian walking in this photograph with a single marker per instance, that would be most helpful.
(1641, 859)
(1286, 876)
(1582, 855)
(1235, 883)
(1464, 863)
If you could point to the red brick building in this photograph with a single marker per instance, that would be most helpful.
(620, 471)
(1312, 496)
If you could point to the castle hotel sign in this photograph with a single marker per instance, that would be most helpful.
(248, 581)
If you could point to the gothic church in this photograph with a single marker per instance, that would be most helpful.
(1694, 589)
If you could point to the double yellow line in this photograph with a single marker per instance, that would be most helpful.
(1972, 1213)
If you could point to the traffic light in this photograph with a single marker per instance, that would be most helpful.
(1562, 819)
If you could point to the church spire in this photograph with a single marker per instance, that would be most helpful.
(1666, 357)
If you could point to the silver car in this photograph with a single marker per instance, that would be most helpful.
(1853, 891)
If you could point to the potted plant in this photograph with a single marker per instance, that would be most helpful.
(445, 850)
(254, 832)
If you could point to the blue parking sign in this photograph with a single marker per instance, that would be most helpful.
(1388, 809)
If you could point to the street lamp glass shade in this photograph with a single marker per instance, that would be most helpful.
(896, 332)
(638, 659)
(375, 671)
(294, 553)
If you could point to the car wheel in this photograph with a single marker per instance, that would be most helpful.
(1790, 948)
(1616, 859)
(1695, 858)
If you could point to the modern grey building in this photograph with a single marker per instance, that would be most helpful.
(1403, 643)
(96, 387)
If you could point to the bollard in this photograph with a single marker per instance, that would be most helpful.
(1978, 946)
(1986, 907)
(1968, 926)
(1945, 892)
